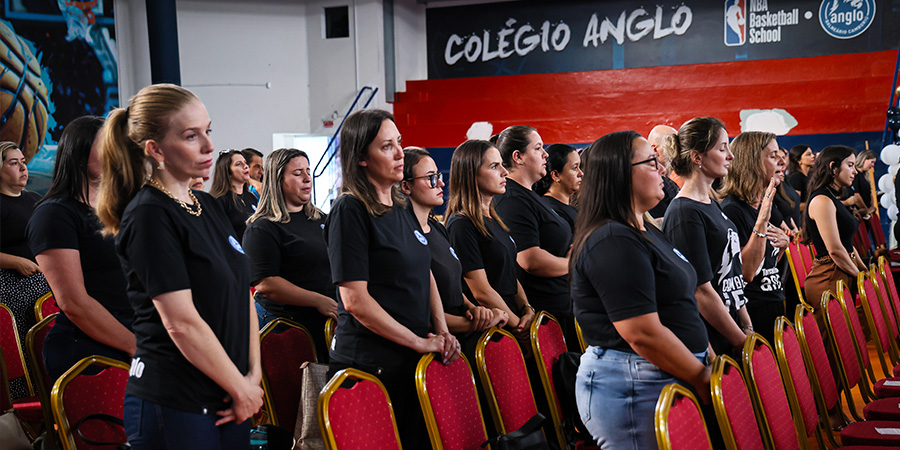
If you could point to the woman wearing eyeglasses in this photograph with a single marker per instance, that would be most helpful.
(286, 244)
(231, 186)
(697, 226)
(423, 184)
(542, 237)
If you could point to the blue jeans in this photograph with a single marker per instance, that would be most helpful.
(152, 426)
(616, 394)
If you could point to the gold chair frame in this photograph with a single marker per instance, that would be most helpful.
(58, 392)
(39, 304)
(15, 330)
(486, 379)
(545, 377)
(268, 401)
(43, 395)
(756, 399)
(794, 273)
(715, 383)
(325, 399)
(664, 406)
(434, 432)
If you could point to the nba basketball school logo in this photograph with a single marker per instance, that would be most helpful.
(735, 22)
(846, 19)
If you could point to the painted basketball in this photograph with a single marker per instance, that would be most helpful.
(24, 98)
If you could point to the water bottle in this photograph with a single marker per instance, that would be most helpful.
(259, 439)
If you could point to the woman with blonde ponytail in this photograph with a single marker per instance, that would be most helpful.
(196, 372)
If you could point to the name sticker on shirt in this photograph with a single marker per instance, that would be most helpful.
(453, 252)
(680, 255)
(235, 244)
(322, 226)
(420, 237)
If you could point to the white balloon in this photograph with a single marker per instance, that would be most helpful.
(885, 201)
(890, 154)
(892, 212)
(886, 183)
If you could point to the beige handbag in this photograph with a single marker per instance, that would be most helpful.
(306, 431)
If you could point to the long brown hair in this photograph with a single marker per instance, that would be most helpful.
(465, 196)
(122, 139)
(746, 179)
(221, 184)
(606, 188)
(271, 201)
(359, 131)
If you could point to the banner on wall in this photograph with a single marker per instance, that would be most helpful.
(525, 37)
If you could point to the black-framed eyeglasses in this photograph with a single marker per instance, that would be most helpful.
(433, 179)
(654, 159)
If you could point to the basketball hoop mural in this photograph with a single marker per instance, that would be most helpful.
(24, 97)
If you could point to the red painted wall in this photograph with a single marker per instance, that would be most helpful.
(827, 94)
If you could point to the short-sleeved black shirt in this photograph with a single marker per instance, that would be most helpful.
(799, 181)
(847, 224)
(164, 249)
(446, 268)
(623, 273)
(14, 215)
(567, 212)
(532, 224)
(294, 251)
(709, 240)
(70, 224)
(239, 208)
(670, 190)
(391, 254)
(784, 208)
(496, 254)
(766, 284)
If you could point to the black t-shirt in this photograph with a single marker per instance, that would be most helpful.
(164, 249)
(294, 251)
(709, 240)
(799, 181)
(782, 209)
(568, 212)
(496, 254)
(670, 190)
(14, 215)
(860, 186)
(446, 268)
(239, 208)
(766, 284)
(532, 224)
(391, 254)
(70, 224)
(847, 224)
(658, 279)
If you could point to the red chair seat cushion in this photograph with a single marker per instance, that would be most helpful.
(863, 433)
(882, 391)
(28, 409)
(897, 371)
(883, 409)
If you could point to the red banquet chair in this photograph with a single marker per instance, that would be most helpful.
(355, 412)
(780, 431)
(879, 314)
(76, 395)
(886, 280)
(799, 269)
(733, 407)
(547, 343)
(450, 403)
(330, 328)
(28, 409)
(284, 345)
(679, 421)
(505, 379)
(45, 306)
(34, 342)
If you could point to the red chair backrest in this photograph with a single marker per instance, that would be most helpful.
(807, 257)
(5, 398)
(797, 263)
(763, 373)
(284, 346)
(843, 340)
(453, 399)
(812, 335)
(856, 328)
(861, 240)
(885, 303)
(508, 380)
(552, 344)
(683, 428)
(12, 346)
(889, 286)
(48, 306)
(867, 294)
(84, 394)
(877, 232)
(799, 377)
(360, 416)
(738, 409)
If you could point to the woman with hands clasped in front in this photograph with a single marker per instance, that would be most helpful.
(423, 183)
(642, 324)
(389, 309)
(286, 245)
(697, 226)
(486, 251)
(194, 379)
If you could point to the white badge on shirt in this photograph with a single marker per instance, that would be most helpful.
(680, 255)
(235, 244)
(420, 237)
(322, 226)
(453, 252)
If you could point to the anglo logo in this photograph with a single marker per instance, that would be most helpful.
(846, 19)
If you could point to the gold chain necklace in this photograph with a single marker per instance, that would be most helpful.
(184, 205)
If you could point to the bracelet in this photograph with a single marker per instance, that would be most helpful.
(747, 328)
(762, 235)
(527, 305)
